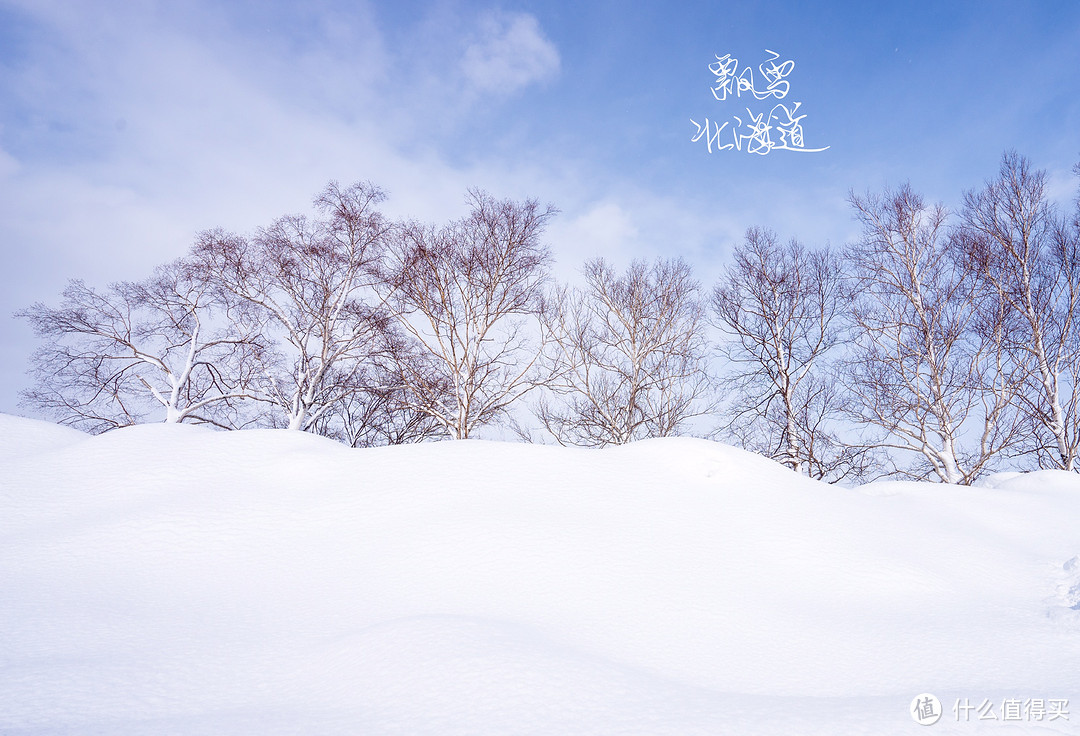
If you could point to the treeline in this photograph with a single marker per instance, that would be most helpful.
(939, 345)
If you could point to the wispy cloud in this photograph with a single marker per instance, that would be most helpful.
(509, 53)
(126, 127)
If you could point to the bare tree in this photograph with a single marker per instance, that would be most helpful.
(918, 370)
(378, 410)
(627, 355)
(781, 308)
(468, 293)
(306, 285)
(113, 357)
(1028, 262)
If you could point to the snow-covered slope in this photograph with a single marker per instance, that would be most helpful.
(21, 437)
(169, 579)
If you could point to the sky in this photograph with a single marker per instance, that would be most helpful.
(128, 127)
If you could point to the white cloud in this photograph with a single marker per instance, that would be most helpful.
(510, 53)
(1061, 187)
(603, 229)
(9, 166)
(222, 128)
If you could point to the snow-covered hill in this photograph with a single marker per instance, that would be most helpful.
(169, 579)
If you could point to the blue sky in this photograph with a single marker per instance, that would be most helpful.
(127, 127)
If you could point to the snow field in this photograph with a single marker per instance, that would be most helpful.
(170, 579)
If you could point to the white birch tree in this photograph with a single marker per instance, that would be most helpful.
(1028, 263)
(627, 355)
(306, 284)
(115, 357)
(378, 410)
(781, 309)
(468, 293)
(918, 370)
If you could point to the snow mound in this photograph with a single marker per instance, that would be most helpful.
(20, 436)
(171, 579)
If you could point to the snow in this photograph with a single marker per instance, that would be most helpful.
(21, 437)
(172, 579)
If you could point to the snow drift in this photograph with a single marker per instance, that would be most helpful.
(170, 579)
